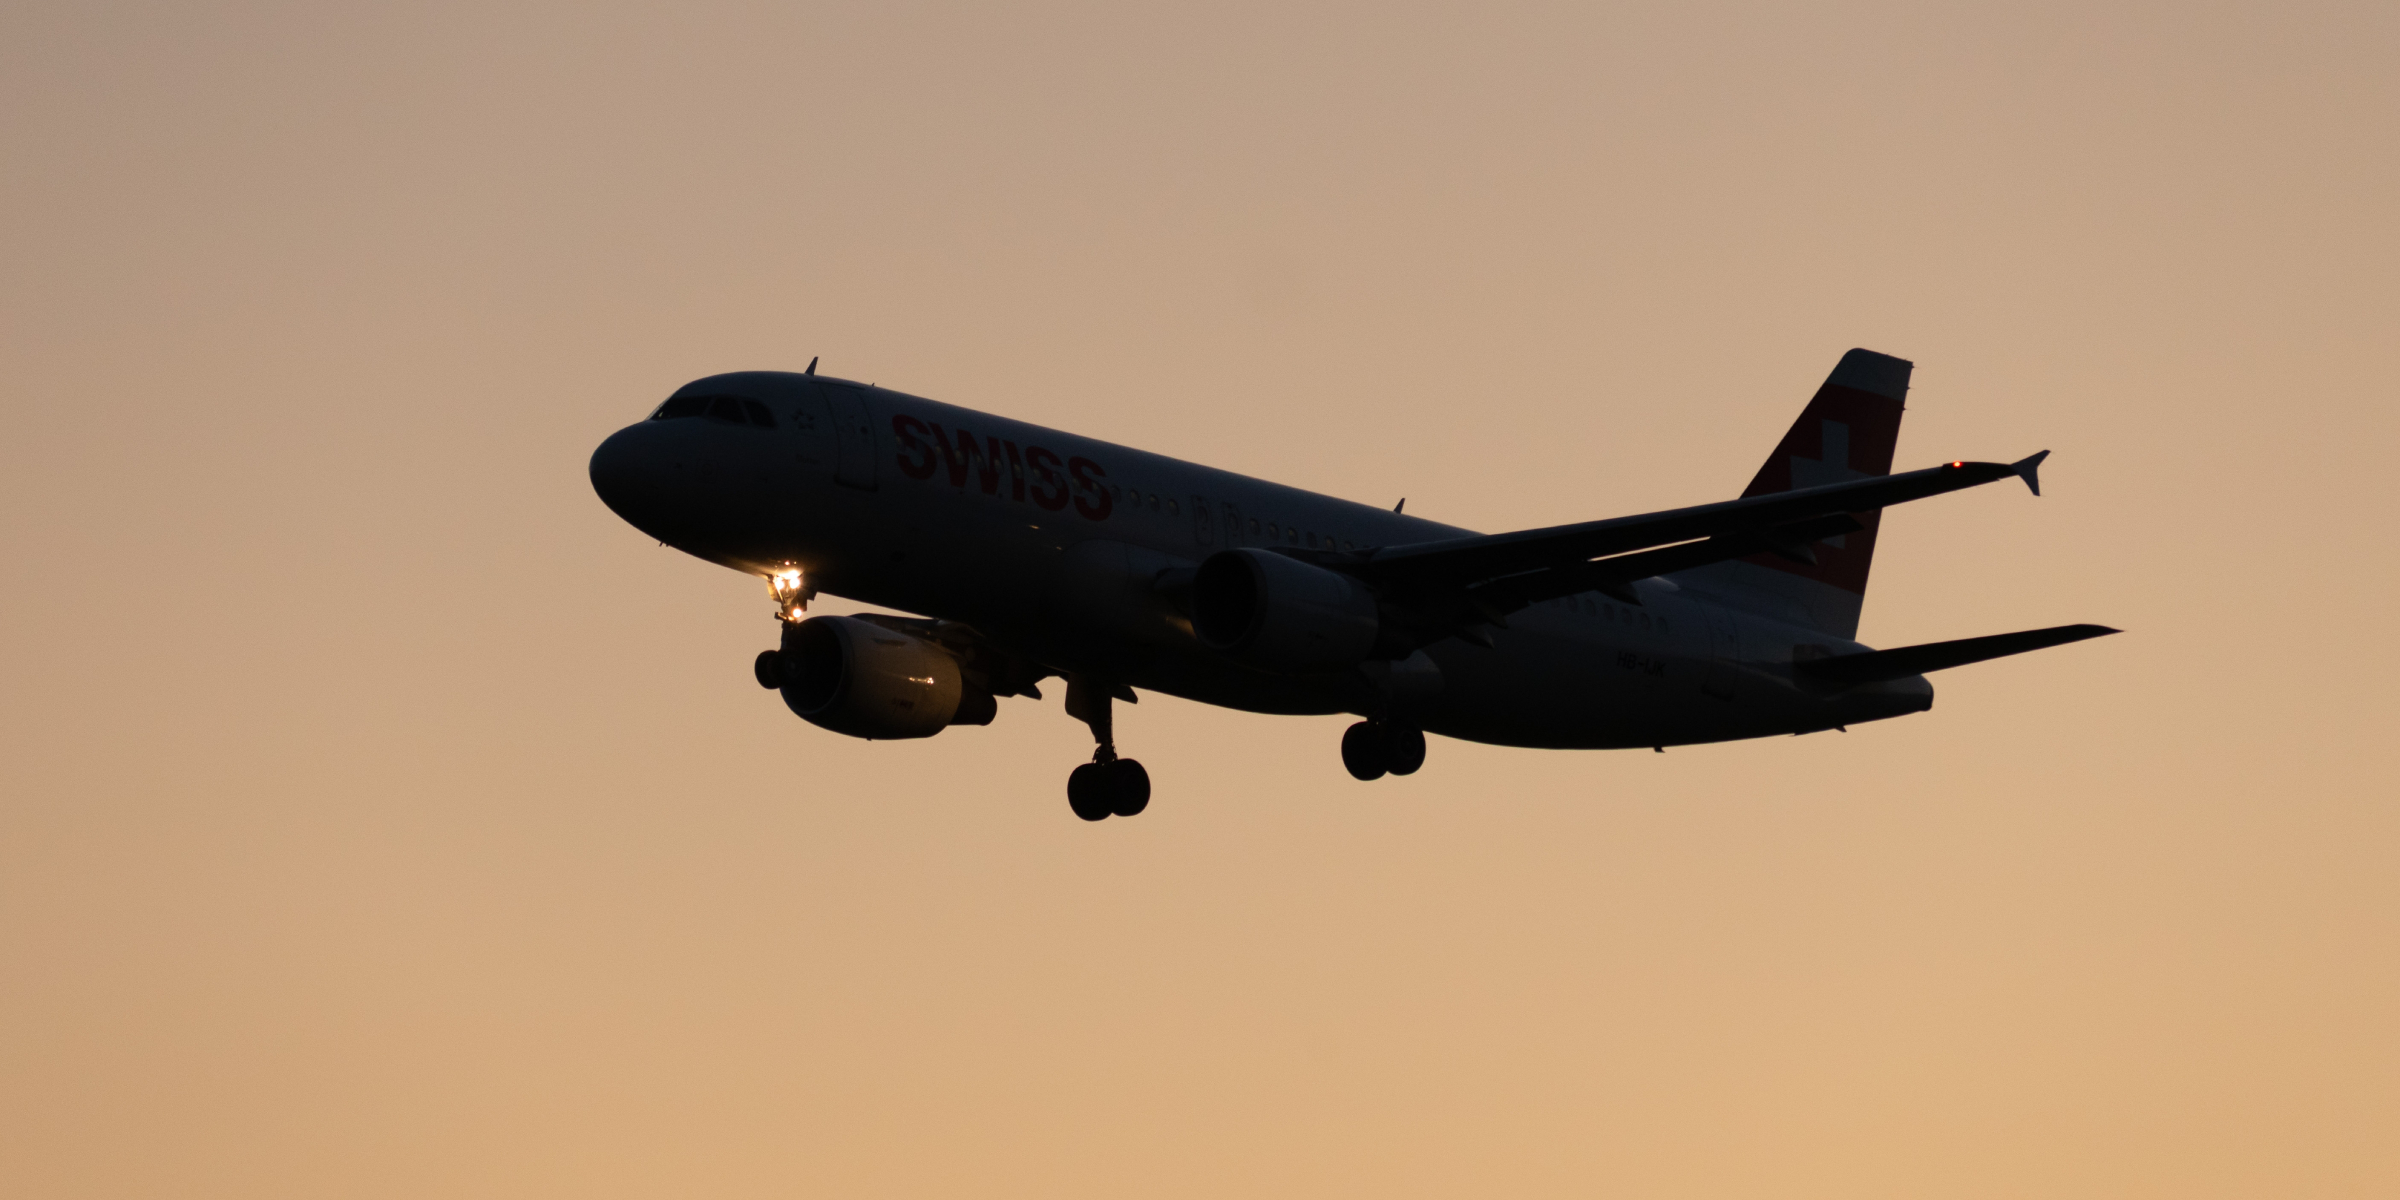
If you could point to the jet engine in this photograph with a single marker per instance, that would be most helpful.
(1275, 612)
(858, 678)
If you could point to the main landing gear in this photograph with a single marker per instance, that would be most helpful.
(1107, 786)
(1372, 749)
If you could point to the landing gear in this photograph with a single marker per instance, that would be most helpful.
(1362, 751)
(792, 592)
(1406, 746)
(1107, 786)
(1372, 749)
(1116, 787)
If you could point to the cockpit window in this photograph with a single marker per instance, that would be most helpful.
(736, 410)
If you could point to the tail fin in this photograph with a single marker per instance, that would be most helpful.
(1848, 431)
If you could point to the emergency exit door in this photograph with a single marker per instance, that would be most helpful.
(854, 438)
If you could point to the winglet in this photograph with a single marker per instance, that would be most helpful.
(2028, 469)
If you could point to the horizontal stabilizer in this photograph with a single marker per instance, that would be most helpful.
(1850, 670)
(2029, 470)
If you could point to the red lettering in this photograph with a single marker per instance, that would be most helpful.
(1050, 488)
(988, 468)
(970, 452)
(1094, 501)
(958, 465)
(915, 457)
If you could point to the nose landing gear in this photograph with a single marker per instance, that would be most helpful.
(792, 593)
(1372, 749)
(1107, 786)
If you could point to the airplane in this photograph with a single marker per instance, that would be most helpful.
(1030, 554)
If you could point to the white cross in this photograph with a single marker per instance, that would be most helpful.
(1833, 468)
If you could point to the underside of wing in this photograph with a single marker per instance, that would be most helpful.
(1448, 588)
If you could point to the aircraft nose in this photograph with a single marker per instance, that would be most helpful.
(629, 475)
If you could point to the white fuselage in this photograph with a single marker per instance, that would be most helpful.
(1053, 547)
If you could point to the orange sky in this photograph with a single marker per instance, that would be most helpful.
(381, 817)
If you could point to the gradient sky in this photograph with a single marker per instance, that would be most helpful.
(381, 817)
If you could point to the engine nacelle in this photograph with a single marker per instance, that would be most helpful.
(858, 678)
(1276, 612)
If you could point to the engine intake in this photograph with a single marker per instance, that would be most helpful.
(858, 678)
(1276, 612)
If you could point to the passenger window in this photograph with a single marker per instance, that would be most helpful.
(1154, 502)
(1274, 531)
(1254, 526)
(1172, 510)
(1645, 620)
(1292, 536)
(759, 415)
(726, 408)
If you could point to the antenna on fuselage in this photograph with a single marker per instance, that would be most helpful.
(812, 365)
(1403, 504)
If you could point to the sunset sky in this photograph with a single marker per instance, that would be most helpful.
(381, 817)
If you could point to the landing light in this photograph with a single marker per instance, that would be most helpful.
(791, 594)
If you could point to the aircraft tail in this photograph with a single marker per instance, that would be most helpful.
(1848, 431)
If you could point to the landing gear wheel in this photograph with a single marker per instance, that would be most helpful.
(1363, 751)
(1403, 749)
(1128, 787)
(1089, 793)
(769, 669)
(1106, 786)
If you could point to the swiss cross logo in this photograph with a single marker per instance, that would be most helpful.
(1834, 467)
(1843, 435)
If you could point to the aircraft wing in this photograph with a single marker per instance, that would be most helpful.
(1455, 586)
(1760, 521)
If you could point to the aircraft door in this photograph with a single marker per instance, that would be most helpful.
(1724, 650)
(811, 429)
(854, 438)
